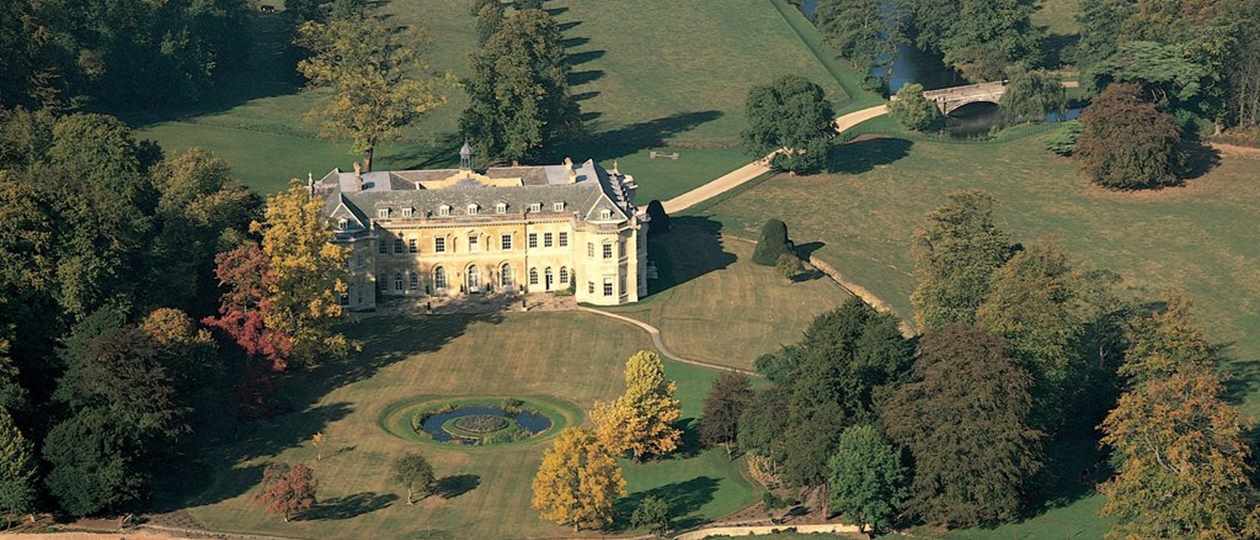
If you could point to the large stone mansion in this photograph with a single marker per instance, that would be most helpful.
(458, 231)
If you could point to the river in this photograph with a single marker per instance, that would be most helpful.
(911, 65)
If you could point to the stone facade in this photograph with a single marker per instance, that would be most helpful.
(511, 229)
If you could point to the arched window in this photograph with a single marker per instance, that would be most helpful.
(398, 284)
(439, 278)
(474, 278)
(548, 277)
(505, 275)
(533, 276)
(564, 276)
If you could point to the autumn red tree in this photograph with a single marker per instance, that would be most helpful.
(287, 490)
(245, 274)
(1127, 142)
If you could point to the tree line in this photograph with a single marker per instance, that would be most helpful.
(1025, 353)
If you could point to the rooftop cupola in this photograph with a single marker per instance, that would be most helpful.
(465, 156)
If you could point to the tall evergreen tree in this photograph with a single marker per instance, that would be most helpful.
(18, 472)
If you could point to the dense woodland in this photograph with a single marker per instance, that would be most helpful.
(149, 304)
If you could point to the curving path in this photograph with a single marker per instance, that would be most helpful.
(751, 171)
(660, 344)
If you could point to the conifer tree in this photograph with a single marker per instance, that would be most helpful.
(17, 469)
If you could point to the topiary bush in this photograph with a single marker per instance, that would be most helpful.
(914, 111)
(773, 243)
(660, 220)
(790, 266)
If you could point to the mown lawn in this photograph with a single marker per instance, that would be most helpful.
(485, 492)
(1199, 238)
(649, 74)
(712, 303)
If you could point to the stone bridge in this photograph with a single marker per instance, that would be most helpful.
(950, 99)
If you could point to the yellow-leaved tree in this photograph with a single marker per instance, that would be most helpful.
(641, 421)
(578, 481)
(378, 82)
(309, 274)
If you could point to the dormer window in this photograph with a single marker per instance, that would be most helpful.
(444, 210)
(605, 213)
(557, 206)
(535, 207)
(500, 208)
(472, 209)
(382, 213)
(342, 224)
(408, 212)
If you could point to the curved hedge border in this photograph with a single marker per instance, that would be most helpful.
(396, 418)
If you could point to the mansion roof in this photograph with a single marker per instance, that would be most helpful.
(500, 192)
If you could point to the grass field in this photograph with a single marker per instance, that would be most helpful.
(649, 74)
(485, 493)
(1197, 238)
(712, 303)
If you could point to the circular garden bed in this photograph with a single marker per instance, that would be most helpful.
(478, 421)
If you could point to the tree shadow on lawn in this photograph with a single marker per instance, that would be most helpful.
(269, 69)
(349, 506)
(636, 137)
(455, 485)
(682, 498)
(441, 153)
(865, 154)
(692, 248)
(386, 340)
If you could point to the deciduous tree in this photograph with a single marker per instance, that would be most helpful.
(955, 255)
(1128, 143)
(519, 102)
(652, 514)
(1166, 342)
(867, 480)
(96, 463)
(308, 275)
(727, 399)
(965, 420)
(641, 421)
(578, 481)
(287, 490)
(862, 31)
(989, 35)
(791, 114)
(1032, 94)
(1183, 460)
(413, 473)
(376, 79)
(914, 111)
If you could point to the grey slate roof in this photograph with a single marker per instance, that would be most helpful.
(593, 189)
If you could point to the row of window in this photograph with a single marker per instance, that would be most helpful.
(409, 245)
(472, 210)
(473, 278)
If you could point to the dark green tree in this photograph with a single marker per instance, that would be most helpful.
(1102, 27)
(519, 102)
(930, 22)
(914, 111)
(791, 114)
(964, 418)
(955, 254)
(859, 30)
(96, 463)
(772, 243)
(869, 485)
(659, 219)
(17, 469)
(489, 19)
(989, 35)
(725, 403)
(652, 514)
(1127, 142)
